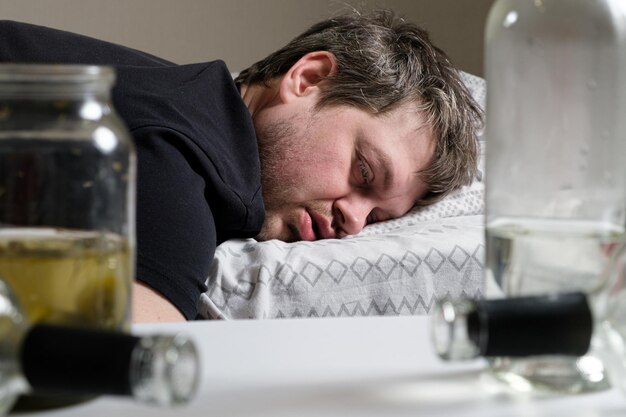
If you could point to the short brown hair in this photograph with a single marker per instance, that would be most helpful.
(384, 62)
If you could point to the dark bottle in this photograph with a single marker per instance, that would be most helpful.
(566, 324)
(58, 360)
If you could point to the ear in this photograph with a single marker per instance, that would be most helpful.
(304, 77)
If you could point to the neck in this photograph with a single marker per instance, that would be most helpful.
(258, 96)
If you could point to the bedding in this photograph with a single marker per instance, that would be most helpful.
(396, 267)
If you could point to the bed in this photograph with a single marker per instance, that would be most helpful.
(397, 267)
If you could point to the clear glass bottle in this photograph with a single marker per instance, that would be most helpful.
(555, 178)
(60, 360)
(67, 195)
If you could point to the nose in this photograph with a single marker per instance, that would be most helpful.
(350, 213)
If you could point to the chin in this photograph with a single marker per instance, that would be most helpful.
(269, 233)
(278, 227)
(262, 236)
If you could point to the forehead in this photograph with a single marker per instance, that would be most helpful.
(406, 122)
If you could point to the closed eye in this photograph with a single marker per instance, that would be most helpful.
(365, 170)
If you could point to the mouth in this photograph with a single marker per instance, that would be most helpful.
(307, 227)
(314, 226)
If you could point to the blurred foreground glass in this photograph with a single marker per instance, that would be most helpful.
(67, 175)
(67, 192)
(555, 175)
(58, 360)
(568, 324)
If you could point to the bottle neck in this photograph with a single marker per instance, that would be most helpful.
(158, 369)
(44, 92)
(559, 324)
(165, 370)
(55, 89)
(44, 81)
(451, 330)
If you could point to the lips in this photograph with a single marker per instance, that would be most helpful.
(306, 228)
(314, 226)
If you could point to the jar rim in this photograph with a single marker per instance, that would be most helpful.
(55, 73)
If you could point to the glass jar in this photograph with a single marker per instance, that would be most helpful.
(67, 197)
(555, 175)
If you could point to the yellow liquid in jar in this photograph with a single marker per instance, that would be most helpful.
(68, 277)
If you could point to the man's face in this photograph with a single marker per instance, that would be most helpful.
(328, 173)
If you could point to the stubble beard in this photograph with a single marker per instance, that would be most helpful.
(277, 145)
(280, 147)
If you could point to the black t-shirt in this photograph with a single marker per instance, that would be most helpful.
(198, 181)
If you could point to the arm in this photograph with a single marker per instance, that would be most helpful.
(175, 228)
(150, 306)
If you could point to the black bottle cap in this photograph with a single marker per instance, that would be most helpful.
(559, 324)
(59, 359)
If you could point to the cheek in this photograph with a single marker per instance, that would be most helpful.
(306, 180)
(315, 159)
(311, 174)
(314, 163)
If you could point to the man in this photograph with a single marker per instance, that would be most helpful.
(353, 122)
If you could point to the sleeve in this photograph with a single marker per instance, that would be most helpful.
(176, 236)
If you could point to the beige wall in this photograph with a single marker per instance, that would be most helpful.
(243, 31)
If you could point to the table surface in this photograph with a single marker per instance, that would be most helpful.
(370, 366)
